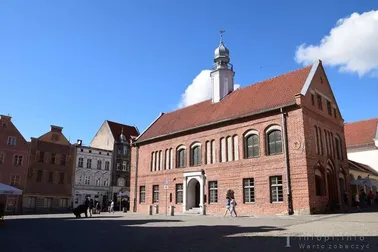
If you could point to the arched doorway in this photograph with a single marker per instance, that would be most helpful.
(193, 194)
(332, 186)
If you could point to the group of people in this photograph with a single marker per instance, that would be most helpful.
(364, 199)
(230, 206)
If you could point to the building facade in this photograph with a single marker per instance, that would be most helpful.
(116, 137)
(359, 171)
(14, 151)
(92, 175)
(362, 142)
(277, 146)
(49, 179)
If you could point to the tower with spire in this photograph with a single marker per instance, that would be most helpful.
(222, 77)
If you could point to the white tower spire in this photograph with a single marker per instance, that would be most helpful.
(222, 77)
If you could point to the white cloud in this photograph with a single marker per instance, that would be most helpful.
(352, 45)
(199, 90)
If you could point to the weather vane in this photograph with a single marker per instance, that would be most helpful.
(221, 35)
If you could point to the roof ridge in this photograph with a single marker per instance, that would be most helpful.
(121, 124)
(364, 120)
(247, 86)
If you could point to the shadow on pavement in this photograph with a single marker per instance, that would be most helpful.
(114, 234)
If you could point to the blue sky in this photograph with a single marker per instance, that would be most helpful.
(76, 63)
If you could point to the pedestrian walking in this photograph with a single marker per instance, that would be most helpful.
(227, 206)
(233, 205)
(90, 207)
(111, 209)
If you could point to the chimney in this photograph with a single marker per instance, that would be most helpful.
(56, 128)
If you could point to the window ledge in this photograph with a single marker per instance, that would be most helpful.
(281, 202)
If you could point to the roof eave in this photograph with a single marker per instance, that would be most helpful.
(149, 126)
(218, 122)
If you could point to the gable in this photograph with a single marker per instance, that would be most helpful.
(318, 84)
(54, 137)
(103, 139)
(7, 129)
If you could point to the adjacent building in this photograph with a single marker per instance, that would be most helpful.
(14, 151)
(92, 175)
(362, 142)
(277, 146)
(116, 137)
(49, 179)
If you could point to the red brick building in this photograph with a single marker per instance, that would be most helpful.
(277, 146)
(49, 179)
(13, 161)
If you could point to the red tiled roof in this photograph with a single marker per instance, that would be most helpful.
(362, 167)
(128, 131)
(268, 94)
(361, 132)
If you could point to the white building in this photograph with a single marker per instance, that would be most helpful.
(92, 175)
(362, 142)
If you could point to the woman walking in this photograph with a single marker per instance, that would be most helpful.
(227, 206)
(233, 206)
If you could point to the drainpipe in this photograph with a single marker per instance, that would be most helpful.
(136, 178)
(287, 164)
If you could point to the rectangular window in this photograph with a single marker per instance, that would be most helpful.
(99, 164)
(89, 163)
(319, 98)
(155, 191)
(276, 189)
(118, 166)
(15, 180)
(17, 160)
(98, 181)
(12, 140)
(63, 202)
(179, 193)
(61, 178)
(142, 194)
(106, 183)
(39, 175)
(213, 191)
(334, 113)
(50, 179)
(87, 180)
(48, 202)
(2, 157)
(107, 164)
(52, 158)
(41, 157)
(249, 190)
(80, 163)
(32, 201)
(63, 159)
(312, 99)
(329, 108)
(124, 166)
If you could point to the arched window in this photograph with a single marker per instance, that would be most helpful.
(251, 144)
(223, 150)
(181, 157)
(319, 185)
(339, 153)
(195, 155)
(274, 142)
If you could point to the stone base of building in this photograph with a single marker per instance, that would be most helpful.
(46, 204)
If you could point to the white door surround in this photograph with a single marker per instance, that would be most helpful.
(189, 190)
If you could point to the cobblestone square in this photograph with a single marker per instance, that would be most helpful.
(138, 232)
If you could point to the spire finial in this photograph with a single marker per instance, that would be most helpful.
(221, 35)
(122, 130)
